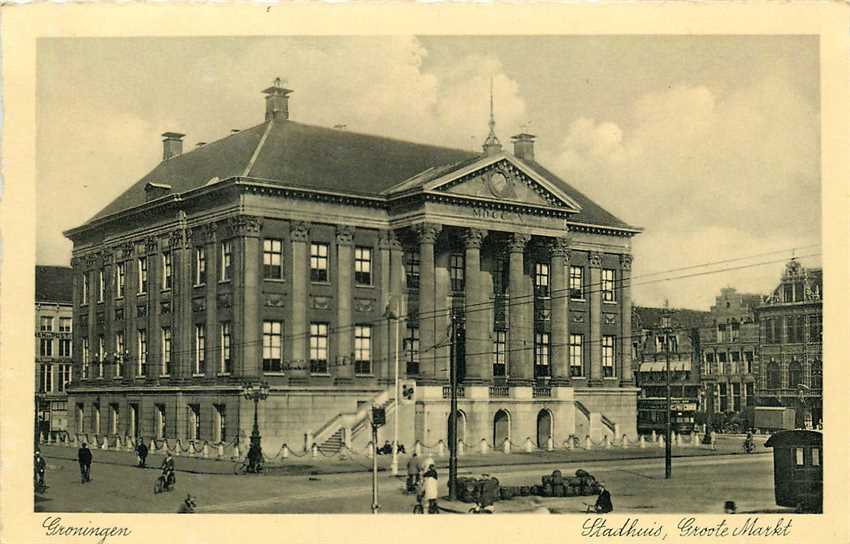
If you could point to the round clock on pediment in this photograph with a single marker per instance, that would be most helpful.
(500, 184)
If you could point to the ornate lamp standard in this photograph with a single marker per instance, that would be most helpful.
(256, 392)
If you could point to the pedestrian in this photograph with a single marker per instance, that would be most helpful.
(40, 468)
(430, 489)
(141, 452)
(167, 468)
(603, 501)
(412, 473)
(187, 506)
(85, 458)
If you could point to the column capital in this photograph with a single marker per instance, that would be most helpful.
(344, 235)
(626, 261)
(208, 232)
(473, 238)
(151, 245)
(245, 225)
(299, 231)
(387, 239)
(595, 259)
(427, 232)
(517, 242)
(177, 240)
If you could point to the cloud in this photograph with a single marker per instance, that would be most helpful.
(707, 172)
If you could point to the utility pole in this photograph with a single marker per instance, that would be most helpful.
(379, 418)
(668, 447)
(453, 413)
(394, 314)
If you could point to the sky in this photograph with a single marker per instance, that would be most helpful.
(710, 144)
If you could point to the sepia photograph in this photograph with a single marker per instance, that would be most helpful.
(296, 271)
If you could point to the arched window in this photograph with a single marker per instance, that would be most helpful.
(795, 374)
(774, 376)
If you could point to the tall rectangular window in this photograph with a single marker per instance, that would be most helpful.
(65, 347)
(735, 329)
(166, 270)
(608, 289)
(63, 377)
(64, 324)
(272, 259)
(748, 361)
(411, 268)
(101, 285)
(500, 343)
(86, 357)
(799, 326)
(456, 270)
(721, 333)
(165, 368)
(363, 349)
(84, 288)
(272, 346)
(500, 275)
(318, 262)
(576, 282)
(46, 382)
(225, 362)
(101, 355)
(79, 416)
(777, 330)
(219, 423)
(200, 265)
(541, 279)
(200, 349)
(46, 324)
(363, 266)
(193, 421)
(226, 266)
(143, 275)
(45, 348)
(120, 279)
(541, 354)
(576, 354)
(608, 356)
(142, 350)
(119, 354)
(318, 348)
(411, 350)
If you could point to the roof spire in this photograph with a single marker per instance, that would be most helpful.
(491, 144)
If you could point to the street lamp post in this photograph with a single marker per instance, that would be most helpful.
(668, 449)
(453, 414)
(256, 392)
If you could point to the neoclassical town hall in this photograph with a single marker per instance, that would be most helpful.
(319, 261)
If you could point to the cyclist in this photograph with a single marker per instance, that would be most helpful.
(255, 458)
(167, 468)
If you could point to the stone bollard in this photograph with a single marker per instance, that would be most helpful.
(587, 443)
(654, 436)
(696, 439)
(713, 440)
(178, 447)
(506, 446)
(661, 441)
(370, 451)
(482, 447)
(117, 442)
(461, 447)
(571, 443)
(550, 444)
(417, 448)
(607, 442)
(529, 445)
(441, 448)
(206, 451)
(284, 452)
(625, 441)
(674, 438)
(220, 451)
(129, 444)
(236, 452)
(314, 450)
(642, 442)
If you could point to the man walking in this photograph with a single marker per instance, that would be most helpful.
(84, 457)
(413, 470)
(142, 452)
(40, 468)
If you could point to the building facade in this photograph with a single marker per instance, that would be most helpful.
(791, 344)
(54, 345)
(730, 345)
(320, 261)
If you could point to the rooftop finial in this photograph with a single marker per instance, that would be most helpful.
(491, 144)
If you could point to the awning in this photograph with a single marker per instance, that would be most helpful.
(661, 366)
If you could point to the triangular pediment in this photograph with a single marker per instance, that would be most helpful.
(503, 179)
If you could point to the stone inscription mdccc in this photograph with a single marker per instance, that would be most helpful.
(498, 215)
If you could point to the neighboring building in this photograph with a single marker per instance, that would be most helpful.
(274, 254)
(730, 348)
(650, 352)
(53, 344)
(791, 346)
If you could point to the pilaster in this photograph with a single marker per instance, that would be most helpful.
(595, 289)
(478, 367)
(299, 235)
(560, 339)
(344, 326)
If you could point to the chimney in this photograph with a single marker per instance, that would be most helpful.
(172, 144)
(524, 146)
(277, 101)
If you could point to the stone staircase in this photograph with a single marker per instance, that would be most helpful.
(331, 437)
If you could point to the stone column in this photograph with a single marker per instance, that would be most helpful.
(560, 336)
(627, 377)
(247, 289)
(596, 317)
(520, 332)
(181, 301)
(129, 323)
(442, 313)
(344, 370)
(91, 263)
(154, 332)
(299, 235)
(427, 296)
(213, 355)
(476, 299)
(395, 300)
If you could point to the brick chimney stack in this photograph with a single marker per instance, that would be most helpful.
(524, 146)
(277, 101)
(172, 144)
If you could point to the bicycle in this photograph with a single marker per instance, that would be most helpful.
(40, 486)
(243, 466)
(164, 483)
